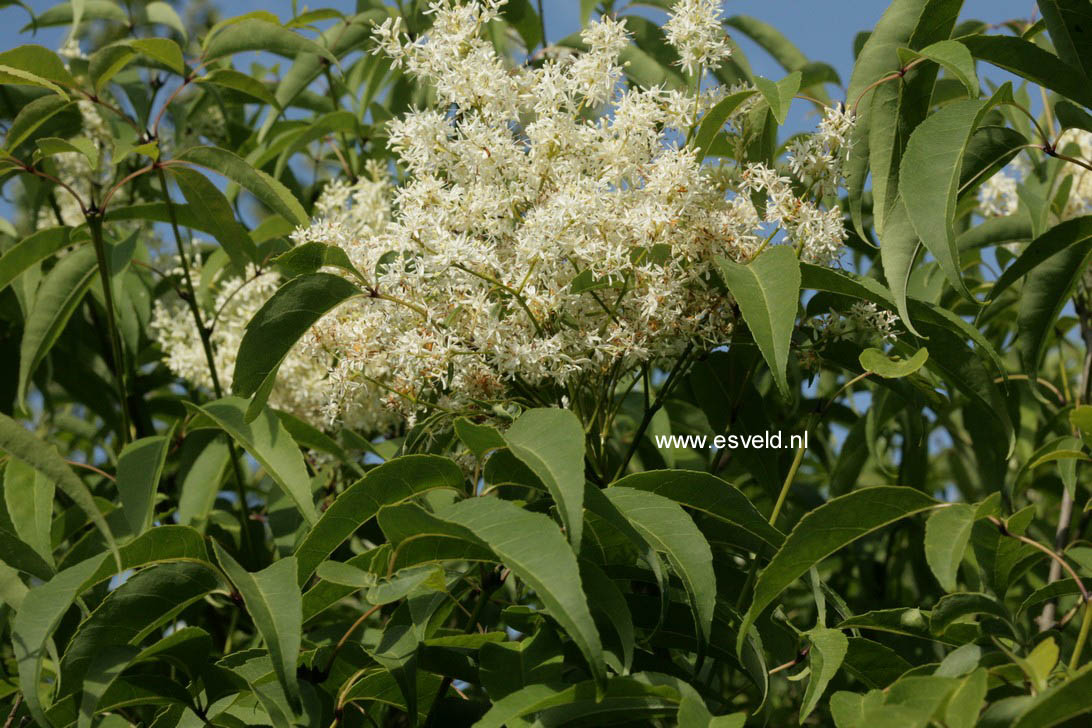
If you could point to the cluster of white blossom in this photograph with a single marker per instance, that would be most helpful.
(819, 159)
(998, 196)
(695, 30)
(532, 245)
(303, 385)
(864, 321)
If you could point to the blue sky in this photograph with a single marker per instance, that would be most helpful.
(822, 29)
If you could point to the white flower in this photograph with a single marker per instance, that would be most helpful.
(533, 247)
(694, 29)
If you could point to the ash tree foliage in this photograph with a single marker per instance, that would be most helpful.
(348, 353)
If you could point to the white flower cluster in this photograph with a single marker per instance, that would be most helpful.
(302, 387)
(532, 246)
(998, 196)
(819, 159)
(694, 28)
(550, 235)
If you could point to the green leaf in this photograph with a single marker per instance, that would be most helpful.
(57, 298)
(309, 257)
(830, 527)
(109, 60)
(954, 607)
(34, 623)
(1069, 115)
(274, 602)
(509, 666)
(532, 546)
(34, 64)
(31, 117)
(767, 290)
(899, 248)
(49, 146)
(714, 120)
(18, 442)
(243, 83)
(28, 495)
(1029, 61)
(1060, 703)
(708, 494)
(828, 650)
(551, 443)
(671, 531)
(140, 466)
(1075, 233)
(1046, 292)
(134, 610)
(947, 533)
(31, 249)
(888, 112)
(281, 321)
(521, 16)
(1069, 23)
(779, 95)
(1081, 418)
(929, 178)
(20, 556)
(254, 34)
(392, 482)
(875, 361)
(953, 56)
(965, 703)
(270, 444)
(272, 193)
(203, 195)
(771, 40)
(481, 439)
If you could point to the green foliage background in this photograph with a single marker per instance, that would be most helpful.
(923, 562)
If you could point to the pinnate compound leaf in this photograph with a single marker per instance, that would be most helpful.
(551, 443)
(270, 444)
(671, 531)
(279, 324)
(532, 546)
(272, 193)
(392, 482)
(828, 650)
(274, 602)
(947, 533)
(828, 528)
(767, 290)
